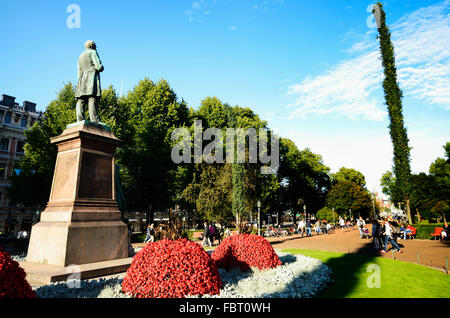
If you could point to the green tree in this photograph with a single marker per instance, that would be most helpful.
(32, 186)
(393, 96)
(148, 172)
(345, 196)
(349, 174)
(327, 214)
(302, 175)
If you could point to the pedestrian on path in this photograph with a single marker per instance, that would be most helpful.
(206, 234)
(361, 223)
(150, 234)
(308, 227)
(389, 238)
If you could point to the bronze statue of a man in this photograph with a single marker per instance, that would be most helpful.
(88, 87)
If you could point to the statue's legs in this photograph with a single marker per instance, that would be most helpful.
(93, 116)
(81, 103)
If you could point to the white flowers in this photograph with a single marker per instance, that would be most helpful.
(298, 277)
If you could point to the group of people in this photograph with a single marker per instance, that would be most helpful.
(211, 232)
(306, 227)
(386, 231)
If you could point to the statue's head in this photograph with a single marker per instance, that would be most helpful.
(90, 45)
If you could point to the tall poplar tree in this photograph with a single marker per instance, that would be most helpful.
(393, 96)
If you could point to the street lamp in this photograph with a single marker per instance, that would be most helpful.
(259, 217)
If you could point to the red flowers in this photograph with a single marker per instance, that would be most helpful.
(245, 251)
(172, 269)
(12, 279)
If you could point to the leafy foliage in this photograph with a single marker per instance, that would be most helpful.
(245, 251)
(172, 230)
(12, 279)
(393, 96)
(346, 195)
(172, 269)
(327, 214)
(349, 174)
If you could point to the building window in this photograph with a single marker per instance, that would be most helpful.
(19, 147)
(1, 115)
(23, 122)
(2, 169)
(4, 144)
(8, 118)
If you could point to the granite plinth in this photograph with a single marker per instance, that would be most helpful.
(81, 223)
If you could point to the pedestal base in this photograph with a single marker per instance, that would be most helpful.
(75, 243)
(42, 274)
(82, 222)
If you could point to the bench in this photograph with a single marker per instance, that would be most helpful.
(437, 232)
(412, 234)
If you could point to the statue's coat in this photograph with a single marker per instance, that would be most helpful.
(89, 68)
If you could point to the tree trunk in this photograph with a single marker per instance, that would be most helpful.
(408, 211)
(238, 221)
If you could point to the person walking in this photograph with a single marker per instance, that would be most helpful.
(301, 227)
(389, 238)
(308, 227)
(324, 226)
(219, 232)
(376, 234)
(150, 234)
(212, 233)
(361, 223)
(206, 233)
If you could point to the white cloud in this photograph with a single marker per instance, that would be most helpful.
(421, 41)
(199, 8)
(344, 90)
(368, 152)
(232, 28)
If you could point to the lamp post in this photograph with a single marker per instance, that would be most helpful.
(259, 217)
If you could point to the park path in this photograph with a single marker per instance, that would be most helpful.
(425, 252)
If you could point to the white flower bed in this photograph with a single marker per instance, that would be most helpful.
(298, 277)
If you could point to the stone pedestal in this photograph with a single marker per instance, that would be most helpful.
(81, 223)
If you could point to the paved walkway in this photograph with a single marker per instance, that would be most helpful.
(425, 252)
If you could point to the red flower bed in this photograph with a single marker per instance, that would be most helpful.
(12, 279)
(245, 251)
(172, 269)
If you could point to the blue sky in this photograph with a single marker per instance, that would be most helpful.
(311, 68)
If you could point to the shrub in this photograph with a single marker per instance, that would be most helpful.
(424, 230)
(138, 237)
(245, 251)
(172, 269)
(12, 279)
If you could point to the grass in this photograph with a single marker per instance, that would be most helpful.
(397, 279)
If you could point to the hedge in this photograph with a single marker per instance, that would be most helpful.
(424, 230)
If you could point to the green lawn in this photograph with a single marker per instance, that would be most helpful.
(397, 279)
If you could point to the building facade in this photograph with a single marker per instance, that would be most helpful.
(14, 120)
